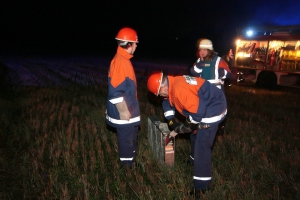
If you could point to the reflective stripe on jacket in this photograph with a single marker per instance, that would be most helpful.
(215, 71)
(198, 98)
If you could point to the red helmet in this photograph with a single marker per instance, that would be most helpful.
(128, 35)
(154, 82)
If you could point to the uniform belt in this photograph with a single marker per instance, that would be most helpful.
(216, 81)
(215, 118)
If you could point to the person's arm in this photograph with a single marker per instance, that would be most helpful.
(196, 70)
(224, 71)
(169, 113)
(117, 89)
(123, 110)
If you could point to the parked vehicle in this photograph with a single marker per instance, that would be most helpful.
(268, 56)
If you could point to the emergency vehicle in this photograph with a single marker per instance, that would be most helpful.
(268, 56)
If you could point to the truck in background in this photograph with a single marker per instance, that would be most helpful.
(268, 56)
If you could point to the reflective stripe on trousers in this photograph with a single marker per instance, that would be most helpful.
(201, 144)
(127, 144)
(119, 121)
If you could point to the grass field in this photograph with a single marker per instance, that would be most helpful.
(54, 143)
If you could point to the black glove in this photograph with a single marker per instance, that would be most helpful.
(190, 124)
(187, 127)
(173, 123)
(181, 129)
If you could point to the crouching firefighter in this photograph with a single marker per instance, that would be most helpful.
(122, 106)
(204, 107)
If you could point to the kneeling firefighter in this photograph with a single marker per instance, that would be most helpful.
(203, 105)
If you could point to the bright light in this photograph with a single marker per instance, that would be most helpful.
(243, 55)
(240, 54)
(249, 33)
(238, 42)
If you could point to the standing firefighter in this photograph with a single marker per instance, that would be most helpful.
(209, 65)
(203, 105)
(212, 68)
(122, 106)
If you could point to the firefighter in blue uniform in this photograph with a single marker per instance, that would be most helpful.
(202, 104)
(122, 106)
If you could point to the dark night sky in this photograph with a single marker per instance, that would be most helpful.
(165, 28)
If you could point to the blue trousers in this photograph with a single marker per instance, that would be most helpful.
(201, 153)
(127, 144)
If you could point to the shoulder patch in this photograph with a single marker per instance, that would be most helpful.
(190, 80)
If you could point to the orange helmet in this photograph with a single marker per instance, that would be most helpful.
(128, 35)
(154, 82)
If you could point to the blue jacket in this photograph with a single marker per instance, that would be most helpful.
(195, 98)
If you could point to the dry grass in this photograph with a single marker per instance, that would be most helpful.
(54, 144)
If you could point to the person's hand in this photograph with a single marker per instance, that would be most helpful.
(173, 123)
(182, 129)
(125, 115)
(123, 111)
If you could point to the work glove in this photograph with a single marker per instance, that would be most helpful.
(186, 127)
(182, 129)
(123, 111)
(173, 123)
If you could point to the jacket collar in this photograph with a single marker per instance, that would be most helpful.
(124, 53)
